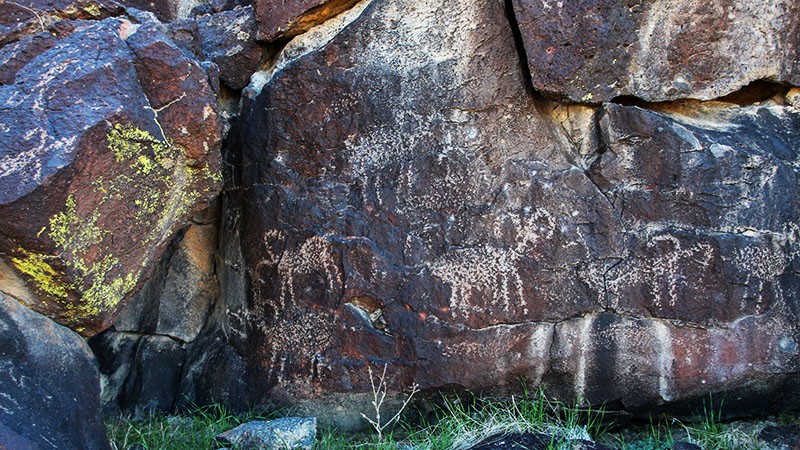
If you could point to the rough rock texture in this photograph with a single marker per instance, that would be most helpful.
(176, 301)
(13, 57)
(783, 437)
(25, 17)
(399, 192)
(280, 19)
(170, 10)
(142, 356)
(535, 441)
(287, 432)
(49, 384)
(110, 143)
(356, 229)
(658, 50)
(228, 39)
(401, 196)
(712, 193)
(685, 446)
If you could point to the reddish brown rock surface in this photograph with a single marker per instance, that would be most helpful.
(658, 50)
(281, 19)
(399, 192)
(110, 142)
(25, 17)
(398, 196)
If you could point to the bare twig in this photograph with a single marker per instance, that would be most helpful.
(379, 391)
(41, 21)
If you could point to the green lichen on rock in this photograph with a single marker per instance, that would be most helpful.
(68, 231)
(144, 164)
(157, 184)
(139, 148)
(93, 10)
(47, 279)
(74, 234)
(103, 290)
(128, 142)
(215, 176)
(149, 203)
(166, 189)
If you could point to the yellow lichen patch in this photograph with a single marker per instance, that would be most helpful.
(69, 231)
(144, 165)
(73, 235)
(42, 273)
(156, 182)
(93, 10)
(103, 292)
(129, 143)
(150, 201)
(98, 185)
(175, 201)
(215, 176)
(60, 223)
(109, 294)
(163, 182)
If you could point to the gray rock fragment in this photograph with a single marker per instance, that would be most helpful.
(288, 432)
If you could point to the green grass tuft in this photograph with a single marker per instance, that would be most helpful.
(457, 424)
(195, 429)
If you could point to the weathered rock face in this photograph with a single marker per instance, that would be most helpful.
(411, 183)
(292, 432)
(49, 384)
(142, 356)
(26, 17)
(110, 143)
(707, 197)
(404, 199)
(228, 39)
(711, 190)
(169, 10)
(400, 193)
(175, 302)
(658, 50)
(280, 19)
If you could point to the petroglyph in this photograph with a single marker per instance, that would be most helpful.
(664, 273)
(314, 257)
(487, 278)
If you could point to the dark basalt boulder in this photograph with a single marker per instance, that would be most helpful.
(228, 39)
(49, 384)
(535, 441)
(141, 357)
(398, 192)
(14, 57)
(710, 193)
(382, 170)
(784, 437)
(657, 50)
(111, 139)
(19, 19)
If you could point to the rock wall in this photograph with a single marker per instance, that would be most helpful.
(407, 197)
(598, 198)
